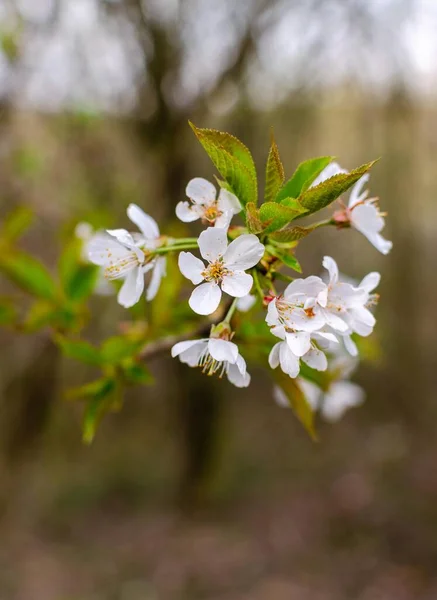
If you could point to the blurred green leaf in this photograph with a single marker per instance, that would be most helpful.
(233, 161)
(16, 223)
(303, 177)
(29, 161)
(8, 311)
(137, 374)
(101, 396)
(10, 44)
(78, 279)
(274, 173)
(80, 350)
(118, 348)
(298, 402)
(322, 195)
(41, 314)
(276, 216)
(28, 273)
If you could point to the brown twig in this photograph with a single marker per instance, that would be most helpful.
(163, 345)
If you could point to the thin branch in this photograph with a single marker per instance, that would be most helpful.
(163, 345)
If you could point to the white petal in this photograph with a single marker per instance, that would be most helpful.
(289, 361)
(186, 345)
(103, 250)
(185, 212)
(330, 264)
(280, 397)
(334, 321)
(245, 303)
(224, 220)
(299, 342)
(205, 298)
(310, 288)
(366, 218)
(356, 196)
(132, 288)
(237, 284)
(222, 350)
(122, 235)
(350, 345)
(381, 244)
(237, 373)
(274, 356)
(316, 359)
(159, 271)
(213, 243)
(227, 201)
(244, 252)
(370, 281)
(272, 317)
(191, 267)
(200, 191)
(341, 396)
(148, 226)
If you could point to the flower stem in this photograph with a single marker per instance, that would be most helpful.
(323, 223)
(258, 285)
(177, 241)
(186, 246)
(231, 311)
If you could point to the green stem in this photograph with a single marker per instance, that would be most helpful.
(166, 249)
(322, 223)
(258, 285)
(177, 241)
(231, 311)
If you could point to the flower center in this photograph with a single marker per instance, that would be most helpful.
(211, 213)
(209, 365)
(119, 267)
(215, 271)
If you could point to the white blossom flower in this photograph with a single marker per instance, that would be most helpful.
(225, 270)
(346, 307)
(336, 400)
(296, 346)
(362, 212)
(204, 204)
(126, 256)
(85, 232)
(213, 356)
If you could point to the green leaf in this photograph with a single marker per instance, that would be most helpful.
(118, 348)
(286, 256)
(298, 402)
(233, 161)
(290, 234)
(101, 393)
(16, 223)
(137, 374)
(78, 279)
(276, 216)
(303, 177)
(326, 192)
(254, 223)
(8, 312)
(28, 273)
(41, 314)
(80, 350)
(275, 175)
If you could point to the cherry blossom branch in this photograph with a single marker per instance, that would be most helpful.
(162, 346)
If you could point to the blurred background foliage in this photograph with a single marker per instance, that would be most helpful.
(94, 101)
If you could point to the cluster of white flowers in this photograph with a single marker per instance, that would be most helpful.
(312, 318)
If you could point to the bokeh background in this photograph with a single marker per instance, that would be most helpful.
(200, 491)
